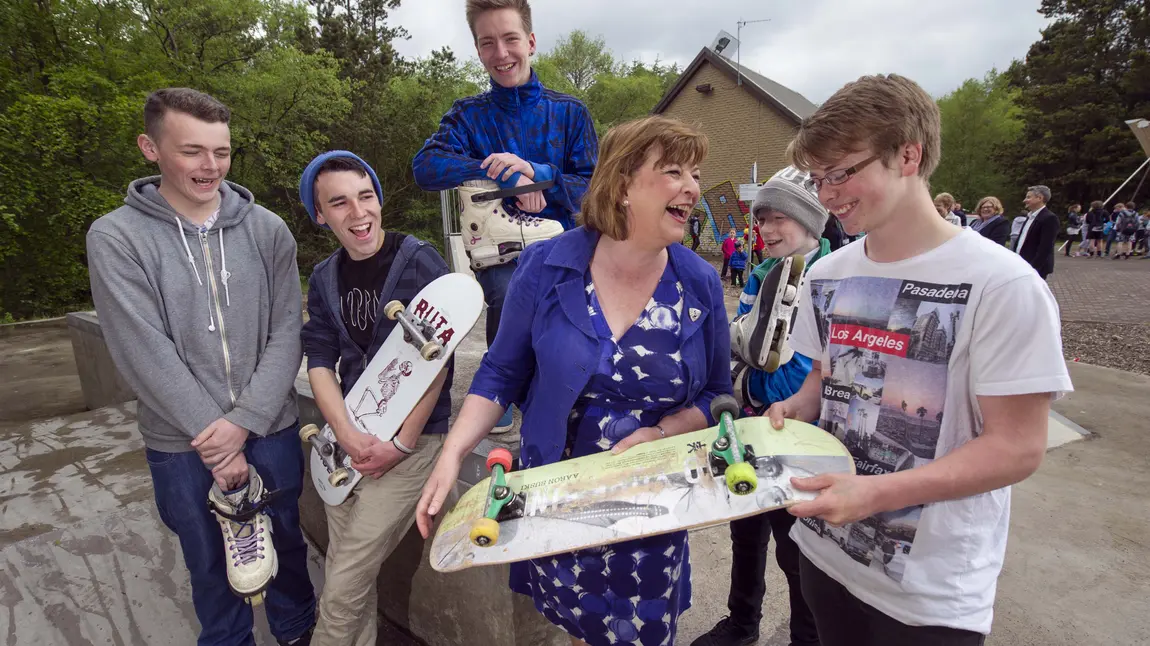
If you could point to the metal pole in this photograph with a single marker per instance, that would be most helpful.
(1127, 180)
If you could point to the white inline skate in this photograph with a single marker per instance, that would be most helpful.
(493, 233)
(247, 530)
(760, 337)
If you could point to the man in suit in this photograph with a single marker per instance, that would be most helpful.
(1036, 242)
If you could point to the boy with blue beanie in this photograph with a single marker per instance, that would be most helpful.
(346, 328)
(791, 219)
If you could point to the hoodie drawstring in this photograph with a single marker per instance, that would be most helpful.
(184, 239)
(224, 273)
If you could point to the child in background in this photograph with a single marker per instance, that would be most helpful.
(728, 249)
(738, 264)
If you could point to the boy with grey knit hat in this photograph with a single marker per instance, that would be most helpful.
(791, 220)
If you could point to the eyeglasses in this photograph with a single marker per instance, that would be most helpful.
(836, 177)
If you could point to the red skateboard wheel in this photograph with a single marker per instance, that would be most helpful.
(499, 456)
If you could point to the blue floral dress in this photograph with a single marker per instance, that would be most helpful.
(632, 592)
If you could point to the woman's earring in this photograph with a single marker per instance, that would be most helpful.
(626, 202)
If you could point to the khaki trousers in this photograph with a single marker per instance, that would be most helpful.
(362, 532)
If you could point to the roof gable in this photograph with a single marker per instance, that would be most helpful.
(791, 104)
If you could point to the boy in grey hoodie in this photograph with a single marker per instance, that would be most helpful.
(198, 294)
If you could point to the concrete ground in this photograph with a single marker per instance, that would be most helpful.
(84, 558)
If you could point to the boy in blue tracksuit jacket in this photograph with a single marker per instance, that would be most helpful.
(738, 264)
(518, 133)
(791, 220)
(344, 331)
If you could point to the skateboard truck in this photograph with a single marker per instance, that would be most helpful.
(501, 501)
(729, 457)
(416, 332)
(327, 451)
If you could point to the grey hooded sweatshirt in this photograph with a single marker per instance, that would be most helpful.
(202, 325)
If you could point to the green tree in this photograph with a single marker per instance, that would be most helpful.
(1078, 86)
(980, 120)
(575, 63)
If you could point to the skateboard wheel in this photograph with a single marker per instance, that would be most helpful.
(484, 532)
(797, 266)
(501, 457)
(741, 479)
(339, 477)
(393, 309)
(430, 350)
(308, 432)
(773, 360)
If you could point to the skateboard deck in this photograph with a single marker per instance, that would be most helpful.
(768, 348)
(653, 488)
(395, 379)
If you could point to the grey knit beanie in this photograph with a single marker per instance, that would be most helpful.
(787, 192)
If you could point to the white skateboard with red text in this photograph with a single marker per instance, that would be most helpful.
(426, 334)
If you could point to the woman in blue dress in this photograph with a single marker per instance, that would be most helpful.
(613, 334)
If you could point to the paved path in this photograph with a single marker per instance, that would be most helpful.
(1101, 289)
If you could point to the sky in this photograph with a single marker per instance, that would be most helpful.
(812, 47)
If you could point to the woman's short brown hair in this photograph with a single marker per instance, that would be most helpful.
(623, 152)
(994, 201)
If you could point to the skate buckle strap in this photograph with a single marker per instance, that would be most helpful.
(512, 192)
(248, 509)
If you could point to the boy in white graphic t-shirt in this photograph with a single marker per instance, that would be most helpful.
(937, 354)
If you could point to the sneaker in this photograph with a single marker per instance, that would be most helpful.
(302, 640)
(760, 336)
(504, 423)
(727, 633)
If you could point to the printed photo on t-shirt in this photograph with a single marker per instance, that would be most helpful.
(889, 342)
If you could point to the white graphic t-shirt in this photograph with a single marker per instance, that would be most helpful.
(905, 348)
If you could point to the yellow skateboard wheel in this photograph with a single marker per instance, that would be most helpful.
(392, 309)
(338, 477)
(484, 532)
(741, 479)
(308, 432)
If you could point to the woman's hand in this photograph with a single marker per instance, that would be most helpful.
(640, 435)
(435, 492)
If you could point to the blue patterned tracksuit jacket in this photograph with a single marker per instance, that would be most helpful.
(551, 130)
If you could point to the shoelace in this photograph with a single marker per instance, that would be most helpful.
(519, 217)
(250, 547)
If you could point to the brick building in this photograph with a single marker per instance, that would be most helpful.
(748, 123)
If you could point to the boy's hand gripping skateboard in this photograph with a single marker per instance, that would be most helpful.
(407, 363)
(736, 469)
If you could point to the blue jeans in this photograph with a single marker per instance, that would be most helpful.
(182, 482)
(494, 282)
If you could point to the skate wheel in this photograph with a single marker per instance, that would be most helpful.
(484, 532)
(392, 309)
(798, 264)
(308, 432)
(430, 350)
(339, 477)
(741, 479)
(789, 294)
(773, 361)
(501, 457)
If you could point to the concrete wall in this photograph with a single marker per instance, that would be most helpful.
(100, 382)
(470, 607)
